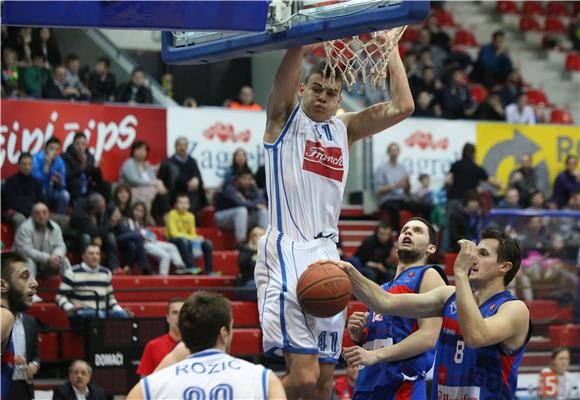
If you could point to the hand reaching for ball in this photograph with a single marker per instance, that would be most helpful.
(356, 324)
(356, 356)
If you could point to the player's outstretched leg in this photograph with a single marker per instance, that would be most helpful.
(303, 372)
(323, 388)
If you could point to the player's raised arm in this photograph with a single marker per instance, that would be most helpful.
(282, 98)
(381, 116)
(424, 305)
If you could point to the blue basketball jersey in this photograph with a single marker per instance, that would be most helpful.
(7, 369)
(487, 373)
(405, 379)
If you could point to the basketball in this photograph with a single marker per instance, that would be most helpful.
(323, 290)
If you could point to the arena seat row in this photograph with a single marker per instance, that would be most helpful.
(556, 8)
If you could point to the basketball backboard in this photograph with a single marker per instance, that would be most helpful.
(291, 24)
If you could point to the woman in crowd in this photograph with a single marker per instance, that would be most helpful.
(239, 163)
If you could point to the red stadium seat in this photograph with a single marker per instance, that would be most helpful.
(355, 306)
(410, 35)
(444, 18)
(558, 8)
(529, 24)
(559, 116)
(478, 92)
(7, 235)
(405, 216)
(532, 8)
(548, 310)
(554, 25)
(565, 335)
(449, 260)
(159, 231)
(507, 7)
(464, 38)
(246, 342)
(226, 262)
(207, 217)
(537, 97)
(48, 346)
(50, 315)
(346, 339)
(72, 345)
(573, 62)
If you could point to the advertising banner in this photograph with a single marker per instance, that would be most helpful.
(428, 146)
(214, 134)
(111, 129)
(500, 147)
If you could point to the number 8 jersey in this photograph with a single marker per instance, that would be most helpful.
(486, 373)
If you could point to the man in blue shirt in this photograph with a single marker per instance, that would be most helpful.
(49, 168)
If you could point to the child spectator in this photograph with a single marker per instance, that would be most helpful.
(180, 230)
(121, 199)
(10, 73)
(35, 76)
(246, 263)
(130, 243)
(555, 381)
(166, 253)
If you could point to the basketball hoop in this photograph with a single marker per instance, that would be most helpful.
(362, 58)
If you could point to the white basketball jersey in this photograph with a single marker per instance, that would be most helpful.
(209, 374)
(306, 170)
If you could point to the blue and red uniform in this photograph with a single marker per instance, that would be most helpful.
(486, 373)
(403, 379)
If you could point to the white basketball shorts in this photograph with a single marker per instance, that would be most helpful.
(285, 326)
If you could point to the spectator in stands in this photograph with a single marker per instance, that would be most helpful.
(511, 199)
(26, 358)
(436, 199)
(465, 222)
(457, 101)
(166, 253)
(130, 243)
(426, 106)
(156, 349)
(49, 168)
(555, 381)
(73, 65)
(180, 230)
(135, 91)
(438, 36)
(140, 176)
(534, 236)
(537, 200)
(512, 89)
(246, 100)
(246, 263)
(520, 112)
(427, 83)
(240, 206)
(494, 63)
(437, 53)
(102, 83)
(344, 385)
(45, 43)
(239, 163)
(83, 171)
(391, 183)
(10, 73)
(78, 386)
(524, 179)
(372, 256)
(86, 290)
(181, 174)
(491, 109)
(35, 76)
(411, 66)
(121, 200)
(90, 224)
(40, 240)
(22, 46)
(425, 60)
(570, 227)
(57, 87)
(567, 182)
(21, 192)
(189, 102)
(574, 30)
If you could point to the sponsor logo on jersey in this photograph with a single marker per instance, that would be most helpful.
(453, 307)
(457, 392)
(324, 161)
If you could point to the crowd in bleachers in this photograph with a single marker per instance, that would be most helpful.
(32, 67)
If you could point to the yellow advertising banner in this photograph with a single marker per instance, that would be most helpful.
(500, 147)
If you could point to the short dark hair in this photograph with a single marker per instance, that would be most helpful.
(468, 150)
(137, 144)
(8, 260)
(105, 61)
(569, 157)
(430, 229)
(51, 141)
(137, 69)
(559, 350)
(90, 245)
(497, 34)
(79, 135)
(423, 176)
(36, 55)
(24, 155)
(72, 57)
(243, 171)
(174, 300)
(201, 318)
(471, 195)
(179, 196)
(508, 249)
(324, 70)
(383, 225)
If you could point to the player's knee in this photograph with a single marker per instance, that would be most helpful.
(304, 381)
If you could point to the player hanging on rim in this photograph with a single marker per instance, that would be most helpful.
(481, 319)
(307, 154)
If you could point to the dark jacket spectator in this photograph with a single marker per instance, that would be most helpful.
(438, 36)
(22, 387)
(426, 106)
(457, 101)
(44, 42)
(181, 174)
(465, 175)
(73, 79)
(56, 88)
(248, 253)
(512, 88)
(135, 91)
(567, 182)
(465, 222)
(491, 109)
(79, 376)
(239, 163)
(524, 179)
(102, 83)
(494, 63)
(22, 45)
(83, 173)
(130, 243)
(373, 255)
(21, 191)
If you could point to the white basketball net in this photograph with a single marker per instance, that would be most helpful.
(362, 58)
